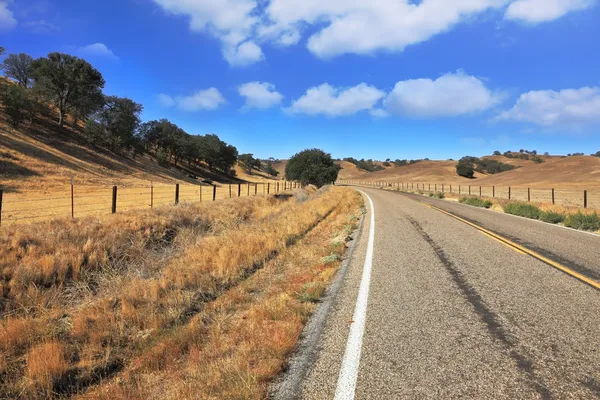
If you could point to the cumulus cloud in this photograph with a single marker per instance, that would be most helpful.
(244, 54)
(41, 26)
(451, 94)
(260, 95)
(548, 108)
(340, 26)
(231, 21)
(328, 100)
(97, 50)
(7, 18)
(536, 11)
(209, 99)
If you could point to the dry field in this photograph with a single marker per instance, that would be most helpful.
(200, 300)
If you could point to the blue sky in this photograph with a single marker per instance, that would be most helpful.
(377, 79)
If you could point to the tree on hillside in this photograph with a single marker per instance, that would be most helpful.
(18, 104)
(466, 167)
(85, 104)
(497, 153)
(249, 162)
(312, 166)
(61, 76)
(18, 67)
(116, 123)
(270, 169)
(596, 154)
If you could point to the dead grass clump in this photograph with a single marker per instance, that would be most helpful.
(46, 365)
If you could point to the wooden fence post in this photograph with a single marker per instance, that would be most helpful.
(1, 194)
(553, 196)
(114, 200)
(509, 193)
(248, 190)
(458, 189)
(479, 191)
(442, 188)
(469, 190)
(529, 195)
(268, 187)
(177, 194)
(585, 202)
(152, 194)
(214, 192)
(494, 191)
(255, 189)
(239, 190)
(200, 193)
(72, 201)
(230, 190)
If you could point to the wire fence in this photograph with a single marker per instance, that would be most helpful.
(581, 198)
(81, 201)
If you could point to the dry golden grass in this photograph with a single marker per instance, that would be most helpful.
(46, 365)
(143, 284)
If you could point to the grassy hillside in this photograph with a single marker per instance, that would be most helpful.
(42, 158)
(570, 172)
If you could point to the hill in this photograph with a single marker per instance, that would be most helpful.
(423, 171)
(41, 157)
(570, 172)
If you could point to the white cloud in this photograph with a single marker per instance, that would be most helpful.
(342, 26)
(536, 11)
(450, 95)
(231, 21)
(7, 19)
(209, 99)
(330, 101)
(165, 100)
(260, 95)
(244, 54)
(569, 107)
(97, 50)
(379, 113)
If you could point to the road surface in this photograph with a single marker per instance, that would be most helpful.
(441, 309)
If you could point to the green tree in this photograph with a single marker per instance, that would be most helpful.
(2, 50)
(312, 166)
(497, 153)
(61, 77)
(249, 162)
(466, 167)
(17, 103)
(116, 123)
(86, 104)
(270, 169)
(18, 67)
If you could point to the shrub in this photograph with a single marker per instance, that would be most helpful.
(586, 222)
(552, 217)
(474, 201)
(439, 195)
(17, 103)
(523, 209)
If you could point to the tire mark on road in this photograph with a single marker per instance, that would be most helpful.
(489, 318)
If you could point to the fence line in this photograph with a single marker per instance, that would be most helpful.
(15, 207)
(556, 196)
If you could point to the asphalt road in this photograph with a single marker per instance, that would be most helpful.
(452, 313)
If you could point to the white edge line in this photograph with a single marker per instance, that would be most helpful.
(346, 384)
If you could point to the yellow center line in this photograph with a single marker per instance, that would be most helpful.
(521, 249)
(504, 244)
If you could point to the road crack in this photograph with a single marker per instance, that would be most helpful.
(488, 317)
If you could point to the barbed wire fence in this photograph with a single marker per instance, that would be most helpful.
(81, 201)
(582, 198)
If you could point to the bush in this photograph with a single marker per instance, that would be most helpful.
(552, 217)
(474, 201)
(586, 222)
(439, 195)
(523, 209)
